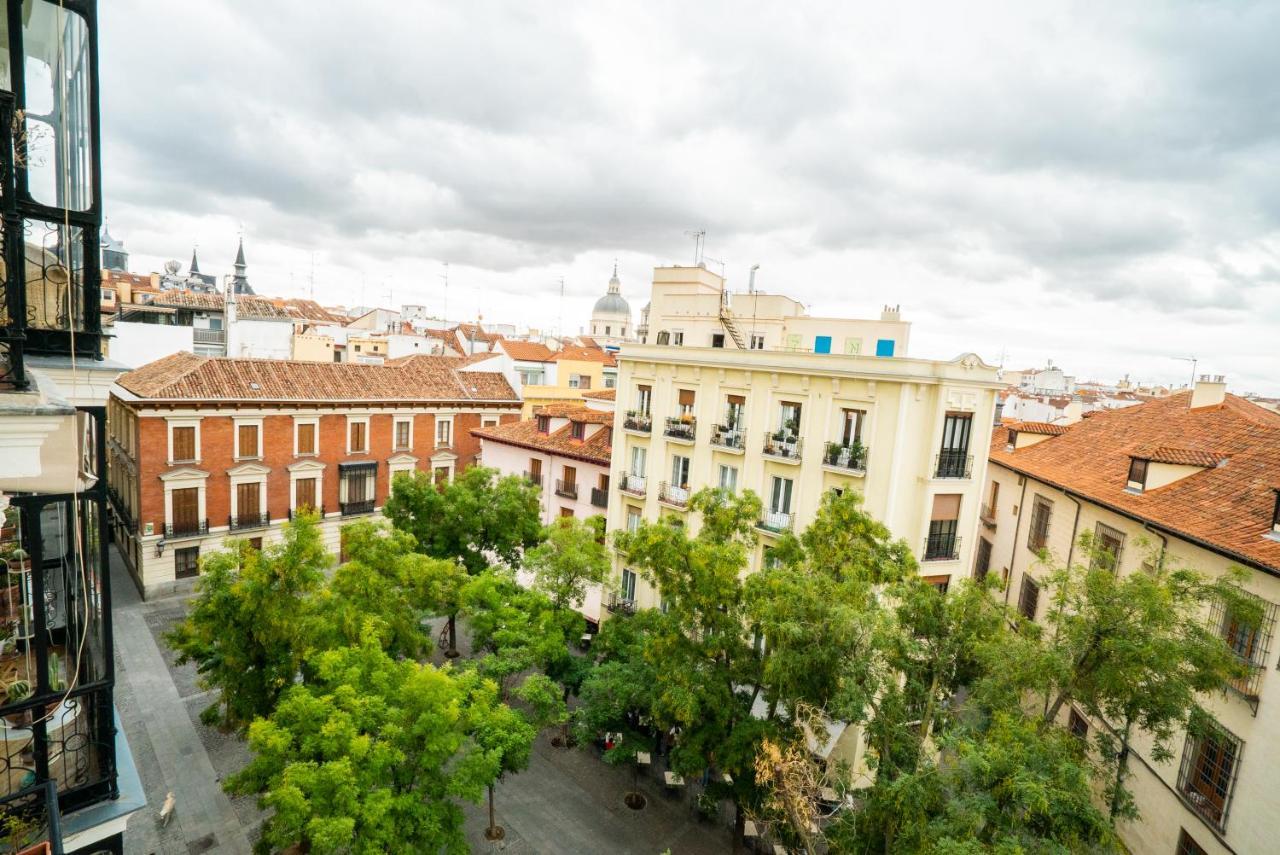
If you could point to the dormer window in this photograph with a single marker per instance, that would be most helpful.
(1275, 517)
(544, 424)
(577, 430)
(1013, 440)
(1137, 475)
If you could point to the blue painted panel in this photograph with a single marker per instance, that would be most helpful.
(884, 347)
(822, 344)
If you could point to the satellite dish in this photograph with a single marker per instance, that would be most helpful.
(172, 266)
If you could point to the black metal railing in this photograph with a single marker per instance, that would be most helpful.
(567, 489)
(240, 522)
(673, 495)
(942, 547)
(682, 427)
(190, 528)
(953, 463)
(534, 478)
(728, 437)
(618, 604)
(599, 497)
(852, 457)
(313, 509)
(638, 421)
(783, 445)
(350, 509)
(635, 485)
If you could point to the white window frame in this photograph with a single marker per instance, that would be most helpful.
(445, 460)
(181, 480)
(395, 431)
(641, 454)
(184, 422)
(442, 421)
(250, 473)
(490, 421)
(677, 337)
(732, 486)
(400, 463)
(628, 591)
(368, 440)
(237, 423)
(633, 514)
(314, 421)
(776, 490)
(305, 469)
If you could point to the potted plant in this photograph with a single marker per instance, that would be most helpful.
(686, 418)
(19, 561)
(9, 528)
(16, 692)
(10, 596)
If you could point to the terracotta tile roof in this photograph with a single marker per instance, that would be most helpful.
(1037, 427)
(525, 434)
(1175, 454)
(189, 300)
(185, 376)
(528, 351)
(307, 310)
(1227, 507)
(601, 394)
(476, 332)
(575, 412)
(586, 354)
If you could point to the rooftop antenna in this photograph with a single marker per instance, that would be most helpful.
(699, 239)
(716, 261)
(445, 277)
(1193, 362)
(560, 316)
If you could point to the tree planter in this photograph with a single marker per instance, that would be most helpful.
(635, 801)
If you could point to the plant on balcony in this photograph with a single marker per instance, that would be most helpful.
(686, 418)
(15, 693)
(19, 561)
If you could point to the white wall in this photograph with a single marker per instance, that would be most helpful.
(260, 339)
(136, 344)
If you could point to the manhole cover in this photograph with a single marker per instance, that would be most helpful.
(635, 801)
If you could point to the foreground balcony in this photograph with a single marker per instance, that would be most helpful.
(681, 428)
(637, 421)
(850, 458)
(534, 478)
(619, 603)
(295, 512)
(566, 489)
(599, 498)
(941, 547)
(677, 497)
(350, 509)
(783, 447)
(728, 439)
(186, 528)
(632, 485)
(951, 463)
(776, 522)
(242, 522)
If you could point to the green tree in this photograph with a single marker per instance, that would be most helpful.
(373, 754)
(477, 519)
(571, 559)
(253, 621)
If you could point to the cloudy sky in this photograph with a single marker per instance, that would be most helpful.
(1094, 185)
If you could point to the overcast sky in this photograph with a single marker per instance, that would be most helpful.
(1095, 185)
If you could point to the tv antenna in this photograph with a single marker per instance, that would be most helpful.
(1193, 362)
(560, 315)
(715, 261)
(445, 277)
(699, 241)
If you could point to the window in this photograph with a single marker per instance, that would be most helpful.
(728, 478)
(733, 417)
(305, 437)
(606, 329)
(404, 431)
(535, 470)
(184, 444)
(1249, 640)
(304, 493)
(1077, 725)
(566, 512)
(1029, 597)
(1038, 534)
(680, 471)
(822, 344)
(1275, 515)
(356, 486)
(489, 421)
(1107, 543)
(628, 585)
(186, 562)
(577, 430)
(780, 495)
(1208, 773)
(186, 510)
(644, 397)
(664, 337)
(633, 519)
(544, 424)
(570, 477)
(717, 339)
(610, 381)
(851, 428)
(982, 563)
(686, 398)
(940, 582)
(247, 441)
(1137, 474)
(357, 437)
(943, 542)
(757, 341)
(638, 459)
(677, 337)
(789, 418)
(441, 476)
(579, 381)
(1187, 845)
(444, 433)
(248, 507)
(953, 456)
(884, 347)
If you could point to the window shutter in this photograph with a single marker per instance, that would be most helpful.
(686, 397)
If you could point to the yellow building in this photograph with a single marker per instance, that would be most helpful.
(558, 376)
(312, 347)
(1192, 478)
(790, 426)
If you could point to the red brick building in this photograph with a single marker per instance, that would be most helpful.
(202, 448)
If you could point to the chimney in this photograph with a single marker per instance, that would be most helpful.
(891, 313)
(999, 412)
(1209, 391)
(1073, 411)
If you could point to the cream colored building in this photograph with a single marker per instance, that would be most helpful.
(1193, 478)
(691, 306)
(791, 426)
(312, 347)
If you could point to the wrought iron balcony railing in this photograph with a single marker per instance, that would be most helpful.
(953, 463)
(673, 495)
(683, 428)
(187, 528)
(941, 547)
(635, 485)
(350, 509)
(240, 522)
(638, 421)
(620, 604)
(567, 489)
(776, 521)
(293, 512)
(783, 446)
(987, 513)
(733, 439)
(599, 498)
(852, 457)
(534, 478)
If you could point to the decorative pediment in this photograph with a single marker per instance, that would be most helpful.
(306, 466)
(403, 458)
(248, 469)
(183, 473)
(440, 458)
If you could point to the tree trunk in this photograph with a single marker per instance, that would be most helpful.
(494, 831)
(739, 828)
(452, 652)
(1122, 763)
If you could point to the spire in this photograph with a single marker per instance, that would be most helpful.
(240, 265)
(240, 282)
(615, 285)
(195, 265)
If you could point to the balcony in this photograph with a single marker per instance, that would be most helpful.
(351, 509)
(638, 421)
(681, 428)
(672, 495)
(987, 513)
(566, 489)
(187, 528)
(294, 512)
(599, 498)
(534, 478)
(242, 522)
(941, 547)
(782, 446)
(618, 603)
(953, 463)
(851, 458)
(632, 485)
(728, 439)
(206, 336)
(776, 522)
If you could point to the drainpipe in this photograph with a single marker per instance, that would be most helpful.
(1016, 525)
(1072, 548)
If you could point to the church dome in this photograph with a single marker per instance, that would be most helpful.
(613, 303)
